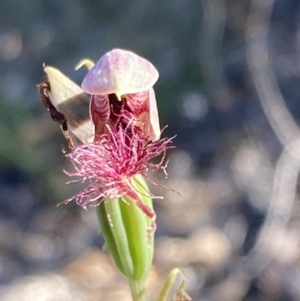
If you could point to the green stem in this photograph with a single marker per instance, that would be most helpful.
(137, 289)
(163, 295)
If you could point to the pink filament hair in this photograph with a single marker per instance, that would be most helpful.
(111, 163)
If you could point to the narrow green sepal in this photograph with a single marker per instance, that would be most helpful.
(125, 228)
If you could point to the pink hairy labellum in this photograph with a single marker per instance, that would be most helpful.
(112, 162)
(122, 76)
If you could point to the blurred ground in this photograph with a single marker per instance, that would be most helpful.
(229, 89)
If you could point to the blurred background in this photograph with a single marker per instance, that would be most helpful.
(229, 88)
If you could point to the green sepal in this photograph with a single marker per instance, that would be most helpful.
(125, 228)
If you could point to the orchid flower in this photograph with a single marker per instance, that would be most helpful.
(122, 134)
(114, 119)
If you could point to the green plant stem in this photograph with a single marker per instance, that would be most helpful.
(163, 295)
(137, 289)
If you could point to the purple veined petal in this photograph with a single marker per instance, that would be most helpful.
(69, 99)
(120, 72)
(101, 106)
(138, 102)
(143, 104)
(100, 112)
